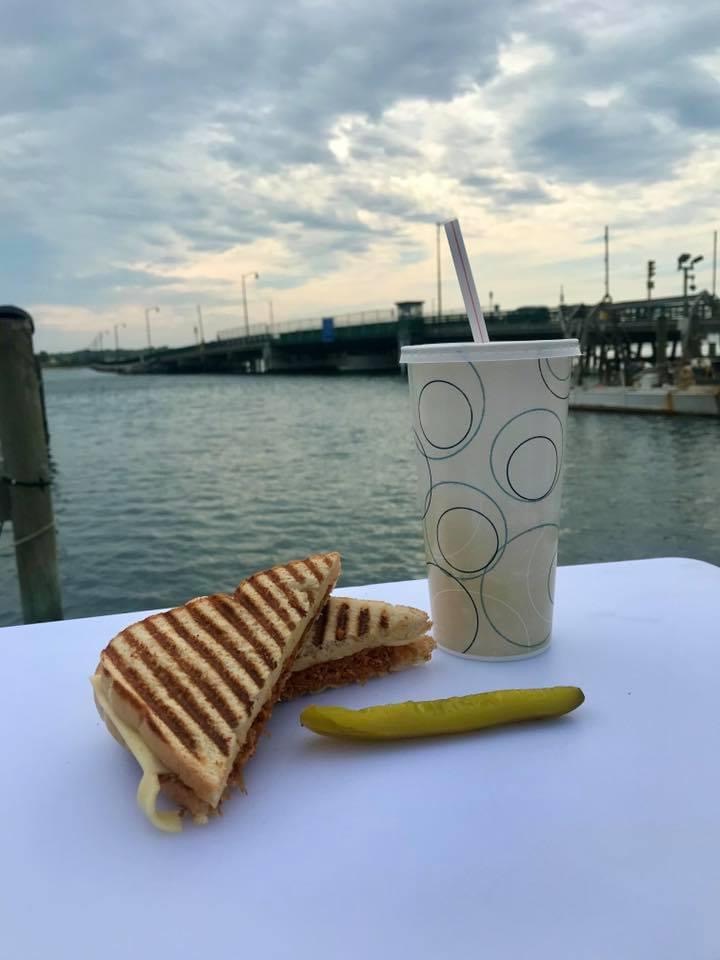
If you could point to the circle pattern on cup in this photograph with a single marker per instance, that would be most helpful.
(452, 606)
(465, 529)
(516, 595)
(523, 478)
(555, 374)
(450, 414)
(526, 455)
(424, 474)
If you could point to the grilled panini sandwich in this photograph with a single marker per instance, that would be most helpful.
(355, 640)
(189, 691)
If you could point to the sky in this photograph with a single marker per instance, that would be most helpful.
(153, 152)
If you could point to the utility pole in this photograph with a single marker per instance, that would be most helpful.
(438, 227)
(200, 324)
(25, 497)
(607, 263)
(714, 273)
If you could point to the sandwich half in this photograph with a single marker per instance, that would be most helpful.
(356, 640)
(189, 691)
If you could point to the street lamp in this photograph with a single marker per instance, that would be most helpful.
(200, 324)
(148, 311)
(270, 313)
(103, 333)
(116, 326)
(686, 263)
(254, 276)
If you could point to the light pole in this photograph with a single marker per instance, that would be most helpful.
(270, 313)
(116, 327)
(255, 276)
(148, 311)
(101, 335)
(438, 226)
(686, 263)
(200, 324)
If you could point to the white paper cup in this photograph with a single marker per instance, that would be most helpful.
(489, 423)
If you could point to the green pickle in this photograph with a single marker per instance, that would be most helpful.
(430, 718)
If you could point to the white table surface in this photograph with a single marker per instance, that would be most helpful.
(594, 836)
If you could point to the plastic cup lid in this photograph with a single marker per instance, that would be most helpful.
(495, 350)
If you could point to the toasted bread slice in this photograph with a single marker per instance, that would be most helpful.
(195, 684)
(355, 640)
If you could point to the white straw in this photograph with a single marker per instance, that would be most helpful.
(466, 281)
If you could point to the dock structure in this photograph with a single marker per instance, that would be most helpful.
(618, 337)
(370, 341)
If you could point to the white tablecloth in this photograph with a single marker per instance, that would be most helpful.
(594, 836)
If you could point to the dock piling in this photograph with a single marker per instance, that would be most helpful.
(25, 473)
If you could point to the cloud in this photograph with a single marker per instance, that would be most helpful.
(161, 151)
(576, 141)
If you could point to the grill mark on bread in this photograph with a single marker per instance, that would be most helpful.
(150, 702)
(251, 606)
(292, 569)
(177, 690)
(220, 637)
(212, 694)
(319, 626)
(209, 656)
(290, 594)
(363, 622)
(341, 621)
(314, 569)
(225, 608)
(384, 622)
(272, 601)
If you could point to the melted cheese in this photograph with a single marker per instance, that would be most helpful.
(149, 786)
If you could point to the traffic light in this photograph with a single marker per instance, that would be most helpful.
(650, 275)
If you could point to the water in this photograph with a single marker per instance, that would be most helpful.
(169, 487)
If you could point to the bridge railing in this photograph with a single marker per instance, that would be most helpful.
(312, 323)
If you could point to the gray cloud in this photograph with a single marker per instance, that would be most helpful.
(604, 144)
(168, 129)
(659, 98)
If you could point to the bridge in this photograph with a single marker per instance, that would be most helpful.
(357, 342)
(370, 341)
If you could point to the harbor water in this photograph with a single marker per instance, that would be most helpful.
(170, 487)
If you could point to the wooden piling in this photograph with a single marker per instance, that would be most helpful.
(25, 469)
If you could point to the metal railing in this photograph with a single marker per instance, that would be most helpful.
(313, 323)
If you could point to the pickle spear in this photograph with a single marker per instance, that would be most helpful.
(430, 718)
